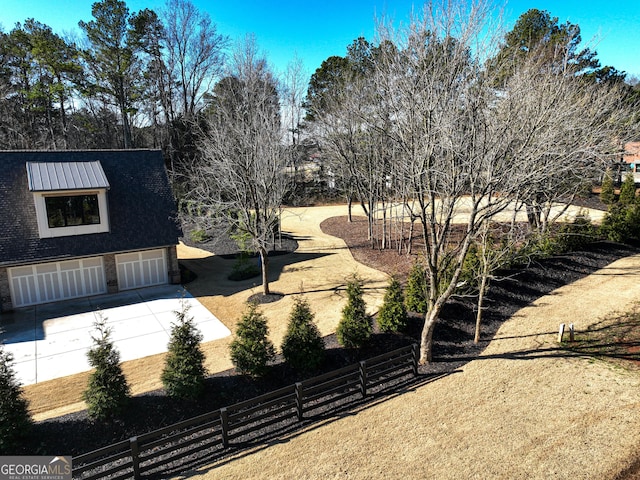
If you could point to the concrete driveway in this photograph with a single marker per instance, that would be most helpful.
(51, 341)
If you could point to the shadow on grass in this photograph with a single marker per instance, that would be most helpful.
(287, 432)
(515, 289)
(453, 347)
(217, 271)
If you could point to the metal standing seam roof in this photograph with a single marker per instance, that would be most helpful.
(51, 176)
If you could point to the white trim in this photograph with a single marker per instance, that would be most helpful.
(50, 282)
(43, 225)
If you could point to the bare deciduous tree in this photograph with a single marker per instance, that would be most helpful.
(243, 179)
(194, 54)
(467, 150)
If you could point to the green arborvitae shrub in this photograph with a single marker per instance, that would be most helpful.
(627, 191)
(251, 349)
(469, 279)
(622, 223)
(576, 235)
(107, 393)
(354, 329)
(15, 421)
(607, 192)
(184, 373)
(302, 346)
(245, 267)
(417, 291)
(613, 225)
(392, 316)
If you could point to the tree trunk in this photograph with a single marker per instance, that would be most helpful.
(264, 263)
(483, 287)
(126, 131)
(426, 338)
(385, 230)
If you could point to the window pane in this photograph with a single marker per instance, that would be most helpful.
(55, 211)
(69, 211)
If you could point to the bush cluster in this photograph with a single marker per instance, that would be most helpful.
(622, 222)
(302, 346)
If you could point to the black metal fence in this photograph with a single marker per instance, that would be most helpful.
(206, 437)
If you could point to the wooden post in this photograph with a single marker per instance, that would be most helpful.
(135, 457)
(571, 333)
(561, 333)
(299, 404)
(224, 425)
(363, 378)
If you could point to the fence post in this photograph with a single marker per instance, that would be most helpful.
(415, 356)
(224, 426)
(363, 378)
(299, 404)
(561, 333)
(571, 333)
(135, 456)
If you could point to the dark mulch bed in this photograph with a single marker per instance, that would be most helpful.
(355, 235)
(223, 245)
(453, 346)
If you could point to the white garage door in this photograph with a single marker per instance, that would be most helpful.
(49, 282)
(141, 269)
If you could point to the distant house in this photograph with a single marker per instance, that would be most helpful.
(631, 157)
(81, 223)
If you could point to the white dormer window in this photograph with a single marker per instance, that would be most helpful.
(70, 197)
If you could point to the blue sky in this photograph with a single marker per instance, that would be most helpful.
(315, 30)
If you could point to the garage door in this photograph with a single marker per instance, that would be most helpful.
(141, 269)
(49, 282)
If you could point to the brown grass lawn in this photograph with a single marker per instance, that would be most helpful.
(523, 409)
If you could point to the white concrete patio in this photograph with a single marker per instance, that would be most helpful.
(51, 341)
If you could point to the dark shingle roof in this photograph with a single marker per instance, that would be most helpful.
(141, 206)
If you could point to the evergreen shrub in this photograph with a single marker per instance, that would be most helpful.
(302, 346)
(107, 393)
(355, 328)
(15, 421)
(184, 372)
(251, 349)
(392, 316)
(417, 291)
